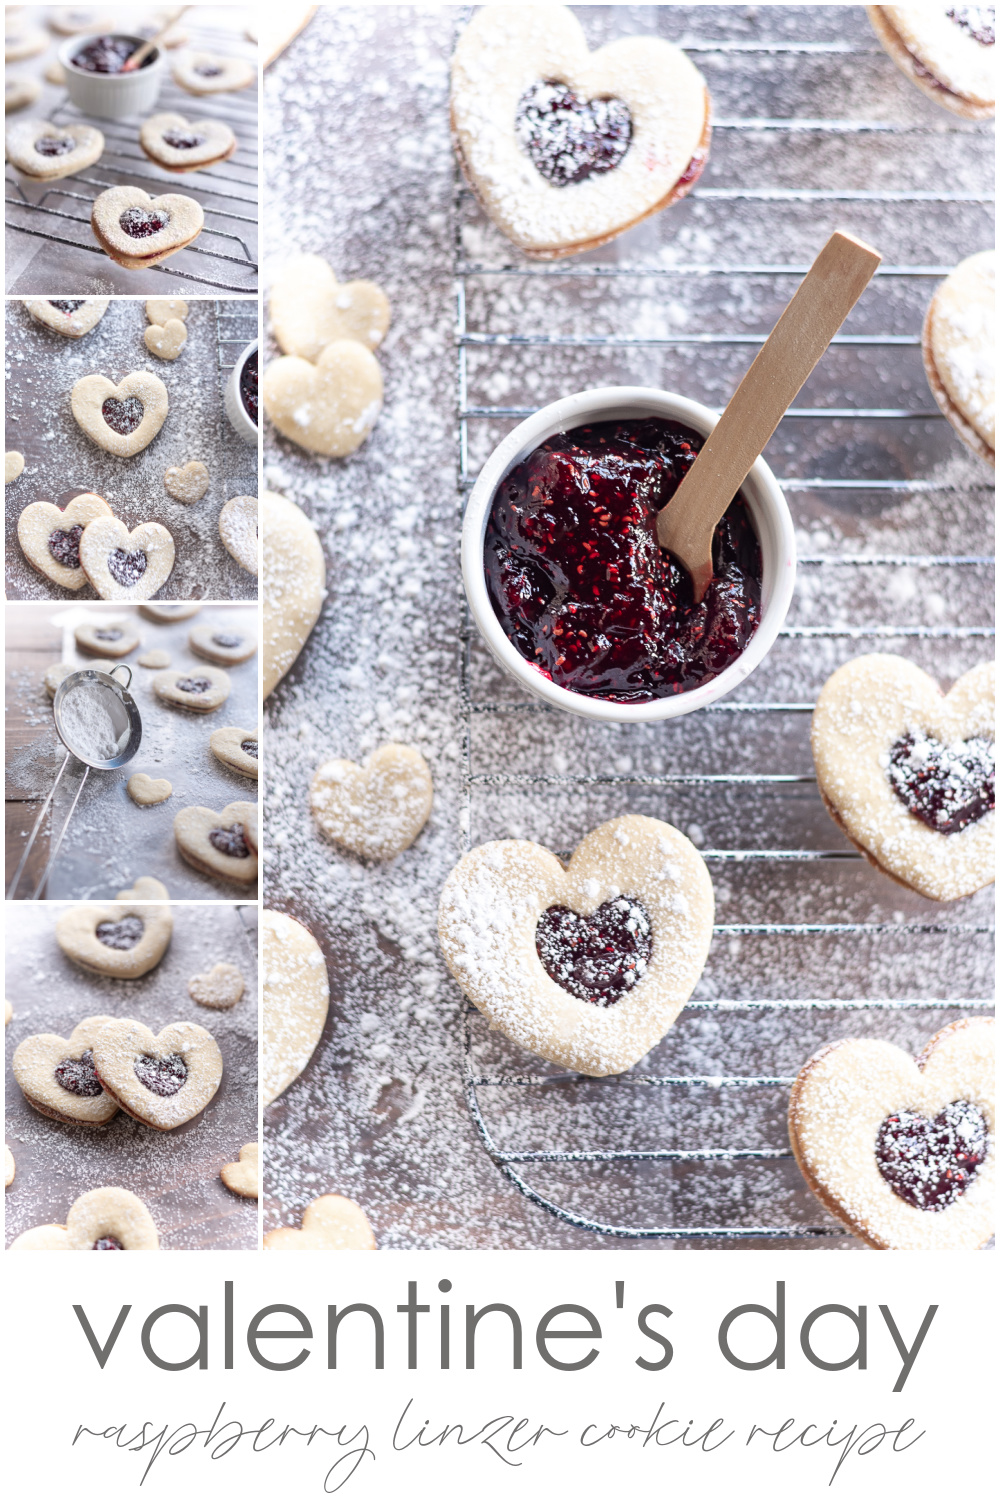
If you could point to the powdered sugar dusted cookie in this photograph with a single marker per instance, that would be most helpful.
(137, 230)
(42, 1237)
(18, 93)
(162, 309)
(375, 809)
(238, 749)
(566, 148)
(181, 145)
(908, 772)
(329, 407)
(296, 1000)
(126, 565)
(122, 419)
(56, 1075)
(238, 530)
(144, 889)
(106, 637)
(147, 792)
(13, 466)
(166, 341)
(155, 658)
(220, 989)
(208, 73)
(243, 1176)
(111, 1218)
(587, 965)
(9, 1167)
(70, 316)
(310, 308)
(220, 644)
(217, 843)
(47, 152)
(162, 1080)
(202, 690)
(328, 1223)
(189, 482)
(294, 584)
(959, 344)
(947, 51)
(22, 40)
(123, 940)
(902, 1151)
(50, 538)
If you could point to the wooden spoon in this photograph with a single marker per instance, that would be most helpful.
(686, 525)
(141, 53)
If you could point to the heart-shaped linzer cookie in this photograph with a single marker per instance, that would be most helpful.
(56, 1075)
(238, 530)
(329, 407)
(902, 1151)
(219, 989)
(328, 1223)
(147, 792)
(70, 316)
(122, 419)
(123, 940)
(294, 585)
(243, 1176)
(208, 73)
(189, 483)
(907, 771)
(47, 152)
(228, 646)
(104, 637)
(50, 537)
(296, 1000)
(110, 1218)
(594, 998)
(310, 308)
(218, 843)
(167, 340)
(123, 564)
(375, 809)
(237, 748)
(202, 690)
(566, 148)
(163, 1080)
(137, 230)
(180, 145)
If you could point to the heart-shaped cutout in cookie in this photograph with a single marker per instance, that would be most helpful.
(218, 843)
(162, 1080)
(57, 1076)
(566, 148)
(294, 585)
(202, 690)
(50, 537)
(167, 340)
(178, 144)
(906, 771)
(328, 1223)
(188, 483)
(243, 1176)
(47, 152)
(220, 989)
(122, 419)
(137, 230)
(310, 308)
(238, 530)
(123, 564)
(122, 940)
(375, 809)
(902, 1150)
(296, 1000)
(146, 791)
(70, 316)
(507, 939)
(109, 1218)
(329, 407)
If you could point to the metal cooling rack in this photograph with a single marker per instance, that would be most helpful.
(59, 212)
(236, 325)
(511, 1162)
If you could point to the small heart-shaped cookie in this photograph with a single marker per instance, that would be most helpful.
(42, 1237)
(208, 73)
(296, 1000)
(163, 1080)
(310, 308)
(124, 940)
(50, 537)
(238, 749)
(180, 145)
(154, 659)
(902, 1151)
(123, 564)
(146, 792)
(238, 530)
(47, 152)
(13, 466)
(908, 772)
(72, 317)
(243, 1176)
(329, 407)
(189, 483)
(162, 309)
(217, 843)
(56, 1075)
(122, 419)
(219, 989)
(137, 230)
(103, 637)
(588, 965)
(294, 585)
(166, 341)
(227, 646)
(375, 809)
(202, 690)
(328, 1223)
(144, 889)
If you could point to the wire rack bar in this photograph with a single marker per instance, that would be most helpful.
(590, 273)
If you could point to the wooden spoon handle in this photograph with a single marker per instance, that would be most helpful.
(801, 335)
(141, 53)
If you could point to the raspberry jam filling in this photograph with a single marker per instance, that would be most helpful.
(248, 387)
(597, 958)
(122, 417)
(208, 70)
(580, 584)
(111, 634)
(140, 223)
(568, 138)
(107, 1242)
(65, 546)
(55, 145)
(181, 140)
(978, 20)
(227, 642)
(930, 1163)
(67, 307)
(161, 1075)
(77, 1076)
(192, 684)
(945, 786)
(230, 841)
(122, 935)
(126, 568)
(109, 54)
(249, 747)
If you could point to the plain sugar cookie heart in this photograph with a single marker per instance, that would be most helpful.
(243, 1176)
(296, 1000)
(908, 772)
(123, 564)
(137, 230)
(329, 407)
(328, 1223)
(167, 340)
(162, 309)
(218, 843)
(238, 530)
(56, 1075)
(147, 792)
(163, 1080)
(566, 148)
(122, 419)
(146, 888)
(902, 1151)
(50, 537)
(294, 585)
(588, 965)
(310, 308)
(123, 940)
(220, 989)
(188, 483)
(13, 466)
(375, 809)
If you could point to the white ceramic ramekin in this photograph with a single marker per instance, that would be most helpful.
(239, 419)
(768, 510)
(111, 96)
